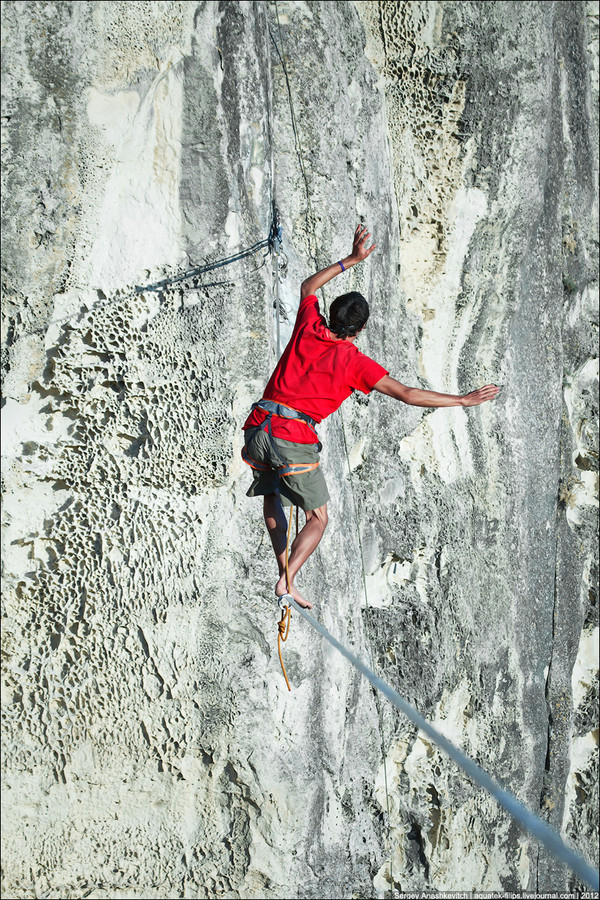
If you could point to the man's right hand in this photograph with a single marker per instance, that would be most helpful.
(418, 397)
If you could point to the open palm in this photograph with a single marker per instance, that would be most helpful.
(360, 250)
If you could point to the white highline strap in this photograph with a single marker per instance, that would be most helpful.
(536, 827)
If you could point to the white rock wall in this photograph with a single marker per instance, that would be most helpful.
(151, 748)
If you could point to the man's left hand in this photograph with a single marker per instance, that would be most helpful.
(359, 247)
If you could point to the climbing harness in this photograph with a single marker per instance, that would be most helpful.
(272, 408)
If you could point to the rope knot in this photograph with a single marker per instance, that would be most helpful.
(284, 623)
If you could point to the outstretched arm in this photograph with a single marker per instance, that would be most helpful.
(417, 397)
(359, 252)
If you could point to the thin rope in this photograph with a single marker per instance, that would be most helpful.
(273, 200)
(309, 213)
(309, 219)
(532, 823)
(275, 271)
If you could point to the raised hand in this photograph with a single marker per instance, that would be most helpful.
(359, 246)
(360, 251)
(488, 392)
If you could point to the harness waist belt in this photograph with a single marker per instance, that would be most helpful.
(287, 412)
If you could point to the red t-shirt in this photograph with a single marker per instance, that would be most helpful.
(315, 374)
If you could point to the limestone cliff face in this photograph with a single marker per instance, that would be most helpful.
(151, 748)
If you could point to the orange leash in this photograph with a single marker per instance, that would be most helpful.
(282, 634)
(286, 612)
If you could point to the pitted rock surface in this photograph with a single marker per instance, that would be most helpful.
(151, 748)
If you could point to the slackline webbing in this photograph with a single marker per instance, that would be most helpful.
(536, 827)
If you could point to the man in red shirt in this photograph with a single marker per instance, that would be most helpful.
(318, 369)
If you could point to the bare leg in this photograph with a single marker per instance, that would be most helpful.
(277, 527)
(276, 523)
(304, 544)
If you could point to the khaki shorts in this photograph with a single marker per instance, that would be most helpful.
(308, 490)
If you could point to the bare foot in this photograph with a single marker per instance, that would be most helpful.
(281, 588)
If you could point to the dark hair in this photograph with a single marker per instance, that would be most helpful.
(347, 314)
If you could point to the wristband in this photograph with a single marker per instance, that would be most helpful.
(341, 264)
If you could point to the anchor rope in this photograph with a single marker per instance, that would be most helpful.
(276, 244)
(297, 143)
(166, 283)
(207, 267)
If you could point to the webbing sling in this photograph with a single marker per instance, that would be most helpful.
(272, 408)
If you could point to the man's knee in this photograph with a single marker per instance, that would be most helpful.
(319, 514)
(273, 509)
